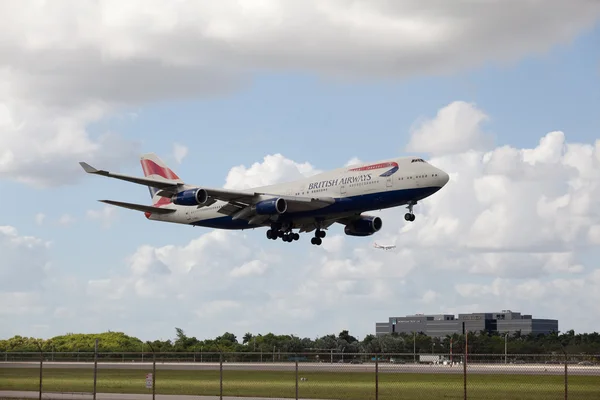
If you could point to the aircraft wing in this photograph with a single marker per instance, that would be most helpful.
(239, 201)
(167, 186)
(139, 207)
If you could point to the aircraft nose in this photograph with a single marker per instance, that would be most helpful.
(444, 177)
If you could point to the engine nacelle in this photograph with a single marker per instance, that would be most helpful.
(365, 226)
(191, 197)
(271, 206)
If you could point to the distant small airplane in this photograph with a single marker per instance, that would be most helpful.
(384, 246)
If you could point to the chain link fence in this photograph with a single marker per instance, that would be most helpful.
(318, 375)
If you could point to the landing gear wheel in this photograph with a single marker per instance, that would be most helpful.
(321, 234)
(296, 236)
(316, 241)
(410, 215)
(269, 234)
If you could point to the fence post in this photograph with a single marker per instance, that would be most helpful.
(466, 333)
(221, 375)
(41, 371)
(153, 374)
(566, 379)
(153, 368)
(95, 366)
(376, 376)
(296, 377)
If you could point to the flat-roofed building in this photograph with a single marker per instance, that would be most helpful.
(442, 325)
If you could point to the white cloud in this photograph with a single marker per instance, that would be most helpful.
(93, 49)
(212, 308)
(67, 219)
(274, 169)
(17, 304)
(24, 264)
(39, 218)
(594, 234)
(353, 161)
(65, 64)
(254, 267)
(41, 145)
(455, 129)
(179, 152)
(334, 243)
(514, 228)
(430, 297)
(106, 215)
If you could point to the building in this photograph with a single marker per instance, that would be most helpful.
(441, 325)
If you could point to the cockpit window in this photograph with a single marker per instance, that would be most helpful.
(417, 160)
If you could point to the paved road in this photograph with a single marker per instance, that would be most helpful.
(116, 396)
(524, 369)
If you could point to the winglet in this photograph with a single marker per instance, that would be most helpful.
(88, 168)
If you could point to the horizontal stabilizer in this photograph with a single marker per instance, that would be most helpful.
(139, 207)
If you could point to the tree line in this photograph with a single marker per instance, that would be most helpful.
(344, 342)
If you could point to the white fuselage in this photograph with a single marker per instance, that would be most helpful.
(356, 188)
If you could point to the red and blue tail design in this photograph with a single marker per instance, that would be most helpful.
(154, 167)
(389, 172)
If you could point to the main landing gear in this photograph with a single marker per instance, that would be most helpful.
(287, 236)
(410, 216)
(318, 239)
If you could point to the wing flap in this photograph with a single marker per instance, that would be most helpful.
(230, 209)
(139, 207)
(299, 204)
(232, 196)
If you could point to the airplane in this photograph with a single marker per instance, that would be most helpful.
(315, 203)
(384, 246)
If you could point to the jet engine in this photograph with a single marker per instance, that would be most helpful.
(364, 226)
(272, 206)
(191, 197)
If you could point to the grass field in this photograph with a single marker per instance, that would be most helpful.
(321, 385)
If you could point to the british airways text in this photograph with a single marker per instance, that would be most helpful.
(339, 181)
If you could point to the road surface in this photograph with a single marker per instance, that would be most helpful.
(116, 396)
(522, 369)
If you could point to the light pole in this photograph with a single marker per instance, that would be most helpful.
(415, 347)
(505, 347)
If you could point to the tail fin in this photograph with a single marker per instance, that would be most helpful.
(154, 167)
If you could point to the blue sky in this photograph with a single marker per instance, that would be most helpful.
(306, 116)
